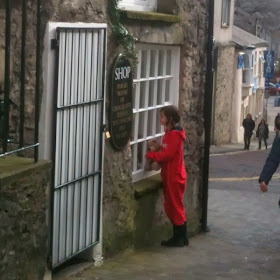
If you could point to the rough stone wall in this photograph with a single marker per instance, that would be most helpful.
(15, 61)
(121, 212)
(223, 95)
(23, 230)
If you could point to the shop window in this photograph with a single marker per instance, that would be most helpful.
(138, 5)
(156, 84)
(226, 13)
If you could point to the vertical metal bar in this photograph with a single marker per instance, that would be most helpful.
(103, 77)
(76, 36)
(54, 200)
(7, 76)
(38, 68)
(93, 149)
(22, 75)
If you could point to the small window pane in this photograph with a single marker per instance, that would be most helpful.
(141, 125)
(168, 63)
(140, 151)
(160, 63)
(151, 93)
(133, 128)
(167, 90)
(143, 64)
(159, 92)
(153, 63)
(134, 96)
(150, 123)
(142, 94)
(158, 125)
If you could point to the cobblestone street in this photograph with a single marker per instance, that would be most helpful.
(244, 241)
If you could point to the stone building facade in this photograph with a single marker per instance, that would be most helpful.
(223, 73)
(238, 89)
(132, 212)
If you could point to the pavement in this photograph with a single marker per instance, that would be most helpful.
(244, 237)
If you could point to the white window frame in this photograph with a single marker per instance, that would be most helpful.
(138, 5)
(248, 70)
(226, 11)
(149, 106)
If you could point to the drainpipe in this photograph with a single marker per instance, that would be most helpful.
(208, 99)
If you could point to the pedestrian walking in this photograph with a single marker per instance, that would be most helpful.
(249, 126)
(174, 175)
(262, 133)
(273, 159)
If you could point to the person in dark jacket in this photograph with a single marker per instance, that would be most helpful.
(273, 159)
(262, 133)
(249, 126)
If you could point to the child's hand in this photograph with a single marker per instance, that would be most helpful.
(263, 187)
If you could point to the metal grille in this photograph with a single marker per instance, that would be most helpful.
(78, 141)
(12, 145)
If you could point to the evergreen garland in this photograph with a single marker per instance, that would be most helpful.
(125, 38)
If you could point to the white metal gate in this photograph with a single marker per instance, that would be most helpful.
(78, 141)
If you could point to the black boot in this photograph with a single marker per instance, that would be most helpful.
(186, 241)
(178, 238)
(260, 145)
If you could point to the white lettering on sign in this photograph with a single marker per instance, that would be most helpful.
(122, 73)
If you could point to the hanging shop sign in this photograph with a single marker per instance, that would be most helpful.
(269, 64)
(121, 102)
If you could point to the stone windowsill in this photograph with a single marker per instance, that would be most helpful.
(150, 16)
(148, 185)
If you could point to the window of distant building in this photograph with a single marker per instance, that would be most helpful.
(226, 13)
(138, 5)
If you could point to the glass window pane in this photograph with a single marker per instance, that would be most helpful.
(133, 96)
(133, 128)
(160, 63)
(167, 90)
(153, 63)
(150, 123)
(158, 125)
(140, 151)
(151, 93)
(141, 125)
(142, 94)
(143, 64)
(159, 92)
(168, 63)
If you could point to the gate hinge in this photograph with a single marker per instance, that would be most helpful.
(54, 44)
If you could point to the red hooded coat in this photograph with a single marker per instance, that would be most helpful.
(173, 173)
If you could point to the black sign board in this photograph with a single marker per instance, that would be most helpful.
(121, 102)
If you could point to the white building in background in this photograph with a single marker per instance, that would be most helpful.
(249, 81)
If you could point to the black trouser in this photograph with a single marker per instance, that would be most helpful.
(260, 142)
(247, 140)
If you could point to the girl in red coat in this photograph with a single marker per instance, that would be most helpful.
(173, 173)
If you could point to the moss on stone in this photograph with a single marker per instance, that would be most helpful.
(14, 168)
(150, 16)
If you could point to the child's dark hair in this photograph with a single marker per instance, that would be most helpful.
(172, 114)
(277, 121)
